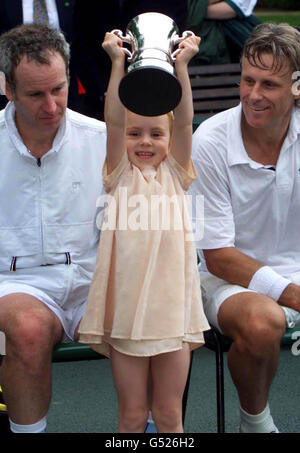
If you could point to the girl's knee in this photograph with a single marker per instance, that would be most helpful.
(133, 419)
(167, 418)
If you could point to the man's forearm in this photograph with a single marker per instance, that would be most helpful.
(290, 297)
(236, 268)
(231, 265)
(220, 11)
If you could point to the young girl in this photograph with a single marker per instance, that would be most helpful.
(144, 308)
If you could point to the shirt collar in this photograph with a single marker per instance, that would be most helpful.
(236, 152)
(294, 128)
(15, 137)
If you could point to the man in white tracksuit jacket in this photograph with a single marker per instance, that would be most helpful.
(51, 163)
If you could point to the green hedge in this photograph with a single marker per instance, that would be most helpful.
(279, 4)
(292, 19)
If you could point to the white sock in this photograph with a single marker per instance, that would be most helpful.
(38, 427)
(260, 423)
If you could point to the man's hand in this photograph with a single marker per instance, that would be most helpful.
(290, 297)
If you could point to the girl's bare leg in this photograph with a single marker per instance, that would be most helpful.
(131, 381)
(169, 375)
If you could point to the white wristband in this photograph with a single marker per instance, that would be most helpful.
(268, 282)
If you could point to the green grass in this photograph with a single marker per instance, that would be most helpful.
(280, 17)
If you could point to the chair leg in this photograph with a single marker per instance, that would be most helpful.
(186, 390)
(4, 424)
(220, 384)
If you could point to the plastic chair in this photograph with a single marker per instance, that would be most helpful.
(219, 343)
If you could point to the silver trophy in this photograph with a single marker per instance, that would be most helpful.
(150, 86)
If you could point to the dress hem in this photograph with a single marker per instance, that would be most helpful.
(141, 348)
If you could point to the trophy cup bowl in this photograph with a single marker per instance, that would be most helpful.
(150, 87)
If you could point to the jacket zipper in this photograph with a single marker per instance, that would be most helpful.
(39, 163)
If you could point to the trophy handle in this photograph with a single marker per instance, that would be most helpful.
(125, 38)
(177, 39)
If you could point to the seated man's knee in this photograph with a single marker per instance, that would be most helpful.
(259, 326)
(30, 335)
(267, 323)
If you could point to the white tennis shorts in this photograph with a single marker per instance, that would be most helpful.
(63, 288)
(215, 291)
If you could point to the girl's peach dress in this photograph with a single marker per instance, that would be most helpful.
(145, 296)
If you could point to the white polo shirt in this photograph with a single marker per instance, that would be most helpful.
(246, 204)
(49, 210)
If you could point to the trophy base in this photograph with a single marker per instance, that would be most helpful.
(150, 91)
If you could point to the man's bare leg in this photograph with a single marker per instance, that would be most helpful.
(256, 324)
(31, 331)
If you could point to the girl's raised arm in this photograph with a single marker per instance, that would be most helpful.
(114, 111)
(181, 140)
